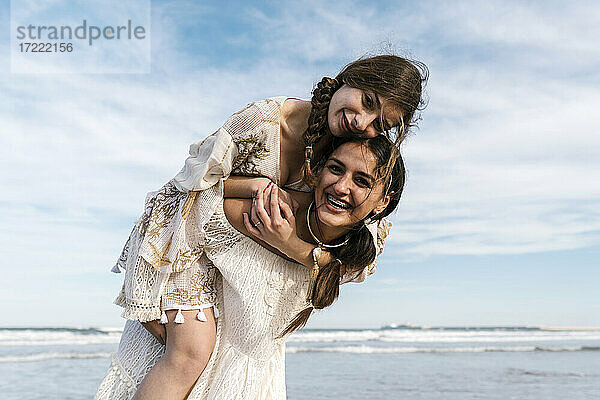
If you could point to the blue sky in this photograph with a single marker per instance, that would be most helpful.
(499, 223)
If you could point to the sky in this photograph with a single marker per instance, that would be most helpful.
(499, 223)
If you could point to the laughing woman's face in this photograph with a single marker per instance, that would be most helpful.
(349, 189)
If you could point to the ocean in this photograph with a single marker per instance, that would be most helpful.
(388, 363)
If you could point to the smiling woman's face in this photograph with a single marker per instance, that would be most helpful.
(348, 189)
(355, 112)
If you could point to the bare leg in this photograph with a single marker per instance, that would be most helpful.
(188, 349)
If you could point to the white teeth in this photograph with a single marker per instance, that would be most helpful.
(337, 203)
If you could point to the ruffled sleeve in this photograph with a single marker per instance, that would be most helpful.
(210, 161)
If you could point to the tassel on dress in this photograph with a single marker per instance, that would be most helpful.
(116, 269)
(201, 316)
(163, 318)
(216, 311)
(179, 317)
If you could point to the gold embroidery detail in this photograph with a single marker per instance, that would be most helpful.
(160, 259)
(250, 151)
(178, 296)
(189, 202)
(182, 259)
(160, 210)
(226, 150)
(201, 290)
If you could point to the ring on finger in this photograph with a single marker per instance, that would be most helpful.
(257, 223)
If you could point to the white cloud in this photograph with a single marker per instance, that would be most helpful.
(506, 160)
(533, 25)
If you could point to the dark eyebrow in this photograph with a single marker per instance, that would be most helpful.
(366, 175)
(337, 161)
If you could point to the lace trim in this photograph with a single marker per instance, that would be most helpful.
(138, 312)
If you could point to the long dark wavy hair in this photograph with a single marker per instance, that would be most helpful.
(397, 80)
(360, 251)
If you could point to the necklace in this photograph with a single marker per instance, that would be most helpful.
(321, 244)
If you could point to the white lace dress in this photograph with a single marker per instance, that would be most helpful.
(258, 294)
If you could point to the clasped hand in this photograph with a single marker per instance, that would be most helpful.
(272, 219)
